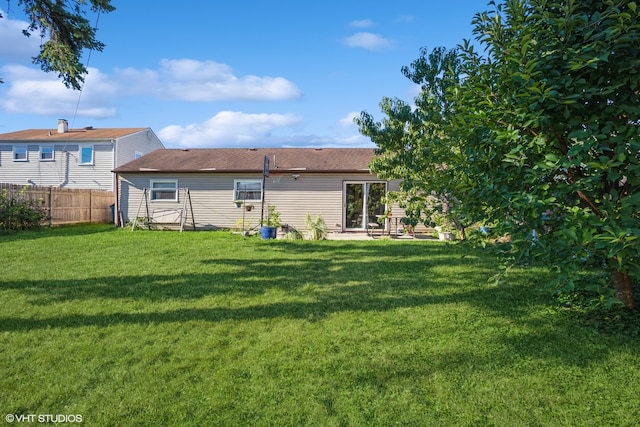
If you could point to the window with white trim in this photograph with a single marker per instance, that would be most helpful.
(164, 189)
(247, 189)
(86, 154)
(20, 153)
(46, 153)
(137, 155)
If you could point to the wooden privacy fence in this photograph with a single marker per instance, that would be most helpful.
(69, 205)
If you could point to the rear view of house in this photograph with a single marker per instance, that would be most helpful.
(226, 187)
(71, 158)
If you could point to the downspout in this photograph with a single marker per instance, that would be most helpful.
(115, 163)
(64, 182)
(63, 127)
(116, 205)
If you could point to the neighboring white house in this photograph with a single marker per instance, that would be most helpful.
(71, 158)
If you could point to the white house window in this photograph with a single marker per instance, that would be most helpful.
(137, 155)
(247, 190)
(86, 155)
(166, 190)
(46, 153)
(20, 153)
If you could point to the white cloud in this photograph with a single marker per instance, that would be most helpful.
(35, 92)
(29, 90)
(204, 81)
(362, 23)
(15, 46)
(367, 41)
(347, 120)
(236, 129)
(228, 129)
(350, 141)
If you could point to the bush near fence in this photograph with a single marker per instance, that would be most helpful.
(69, 205)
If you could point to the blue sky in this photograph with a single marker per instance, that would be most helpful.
(233, 74)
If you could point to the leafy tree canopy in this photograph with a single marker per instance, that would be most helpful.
(67, 32)
(417, 145)
(543, 133)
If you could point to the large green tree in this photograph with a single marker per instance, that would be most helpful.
(67, 32)
(417, 143)
(548, 115)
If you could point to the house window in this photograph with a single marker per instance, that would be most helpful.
(86, 155)
(46, 153)
(166, 190)
(137, 155)
(20, 153)
(247, 190)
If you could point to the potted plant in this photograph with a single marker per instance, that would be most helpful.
(240, 203)
(408, 225)
(445, 234)
(443, 227)
(270, 226)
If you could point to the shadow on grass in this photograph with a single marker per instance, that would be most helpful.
(291, 310)
(361, 297)
(310, 282)
(374, 270)
(60, 230)
(545, 339)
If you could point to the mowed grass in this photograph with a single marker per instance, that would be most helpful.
(208, 328)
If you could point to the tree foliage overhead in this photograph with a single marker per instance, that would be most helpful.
(67, 32)
(547, 136)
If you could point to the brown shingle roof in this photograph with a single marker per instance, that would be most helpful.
(72, 135)
(252, 160)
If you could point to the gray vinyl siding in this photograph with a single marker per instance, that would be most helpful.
(212, 198)
(98, 175)
(143, 142)
(65, 169)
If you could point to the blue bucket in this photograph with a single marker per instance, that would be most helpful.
(268, 232)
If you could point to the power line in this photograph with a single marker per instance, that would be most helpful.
(75, 112)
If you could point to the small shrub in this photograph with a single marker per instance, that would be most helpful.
(317, 228)
(291, 233)
(18, 212)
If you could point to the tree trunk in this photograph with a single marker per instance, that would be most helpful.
(463, 233)
(624, 289)
(461, 229)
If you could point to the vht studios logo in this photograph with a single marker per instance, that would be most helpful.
(43, 418)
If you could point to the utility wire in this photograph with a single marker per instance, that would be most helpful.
(75, 112)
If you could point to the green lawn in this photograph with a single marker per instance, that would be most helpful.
(208, 328)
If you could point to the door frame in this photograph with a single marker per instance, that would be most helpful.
(366, 185)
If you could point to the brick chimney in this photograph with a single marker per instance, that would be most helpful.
(63, 126)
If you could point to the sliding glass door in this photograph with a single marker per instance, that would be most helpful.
(363, 203)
